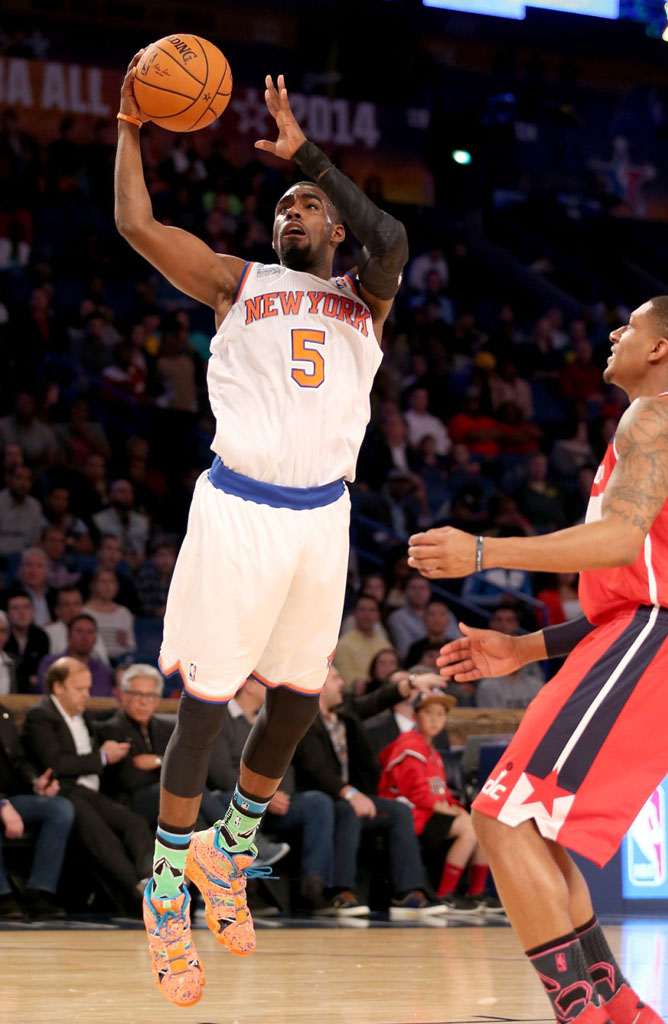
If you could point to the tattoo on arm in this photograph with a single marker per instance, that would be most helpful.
(638, 486)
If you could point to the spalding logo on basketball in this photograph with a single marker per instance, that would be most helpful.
(182, 83)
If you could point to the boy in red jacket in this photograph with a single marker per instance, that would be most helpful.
(413, 771)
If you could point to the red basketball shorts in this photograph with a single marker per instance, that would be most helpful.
(593, 745)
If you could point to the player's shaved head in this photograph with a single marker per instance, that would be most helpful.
(659, 315)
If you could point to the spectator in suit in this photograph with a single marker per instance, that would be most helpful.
(33, 575)
(385, 727)
(336, 757)
(68, 605)
(135, 781)
(28, 798)
(81, 640)
(27, 642)
(59, 733)
(8, 662)
(407, 624)
(441, 626)
(311, 812)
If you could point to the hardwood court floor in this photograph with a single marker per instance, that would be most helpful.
(436, 975)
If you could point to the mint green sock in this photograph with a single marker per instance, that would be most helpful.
(169, 861)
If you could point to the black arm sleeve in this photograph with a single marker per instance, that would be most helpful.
(383, 237)
(560, 640)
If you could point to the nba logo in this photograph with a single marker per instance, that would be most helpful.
(646, 864)
(560, 960)
(192, 671)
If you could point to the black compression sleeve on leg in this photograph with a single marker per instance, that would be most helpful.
(384, 238)
(560, 640)
(185, 765)
(282, 721)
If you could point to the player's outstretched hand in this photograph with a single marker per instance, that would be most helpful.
(290, 135)
(480, 653)
(442, 552)
(129, 104)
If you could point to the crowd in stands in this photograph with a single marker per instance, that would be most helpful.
(488, 416)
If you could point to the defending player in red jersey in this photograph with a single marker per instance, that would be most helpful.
(558, 784)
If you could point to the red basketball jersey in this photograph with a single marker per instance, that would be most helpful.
(604, 592)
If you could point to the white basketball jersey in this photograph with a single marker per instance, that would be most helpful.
(289, 377)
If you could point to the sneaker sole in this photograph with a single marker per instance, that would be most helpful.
(404, 914)
(352, 912)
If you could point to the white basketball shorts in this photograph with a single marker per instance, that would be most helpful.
(257, 590)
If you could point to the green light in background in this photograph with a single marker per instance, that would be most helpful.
(461, 156)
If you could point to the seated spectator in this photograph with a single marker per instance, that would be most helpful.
(507, 386)
(53, 543)
(432, 469)
(336, 757)
(487, 588)
(68, 605)
(400, 506)
(20, 513)
(541, 501)
(440, 625)
(382, 667)
(371, 586)
(91, 491)
(385, 727)
(153, 578)
(413, 771)
(110, 557)
(59, 733)
(473, 429)
(8, 662)
(32, 576)
(581, 379)
(122, 521)
(432, 261)
(115, 622)
(81, 640)
(433, 301)
(518, 689)
(407, 624)
(561, 598)
(57, 515)
(23, 427)
(81, 436)
(27, 642)
(359, 645)
(422, 423)
(30, 798)
(311, 812)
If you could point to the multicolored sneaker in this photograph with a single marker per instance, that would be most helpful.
(177, 970)
(626, 1007)
(221, 877)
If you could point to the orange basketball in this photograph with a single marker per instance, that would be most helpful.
(183, 83)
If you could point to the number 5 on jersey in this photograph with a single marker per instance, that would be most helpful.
(304, 352)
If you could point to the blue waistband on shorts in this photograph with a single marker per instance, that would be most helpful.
(272, 494)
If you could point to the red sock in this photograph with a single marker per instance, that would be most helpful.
(477, 879)
(449, 879)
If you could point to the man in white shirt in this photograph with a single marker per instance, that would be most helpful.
(422, 423)
(59, 733)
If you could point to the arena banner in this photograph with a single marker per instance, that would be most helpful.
(368, 138)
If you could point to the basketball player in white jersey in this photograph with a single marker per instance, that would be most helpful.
(259, 583)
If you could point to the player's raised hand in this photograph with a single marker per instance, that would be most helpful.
(290, 135)
(480, 653)
(442, 552)
(129, 104)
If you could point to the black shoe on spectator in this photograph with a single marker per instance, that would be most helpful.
(10, 909)
(313, 895)
(42, 906)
